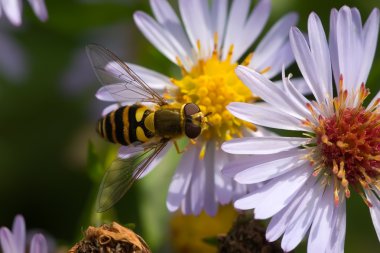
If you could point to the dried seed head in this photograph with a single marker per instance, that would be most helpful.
(110, 238)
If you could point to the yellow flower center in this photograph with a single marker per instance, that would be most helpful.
(212, 84)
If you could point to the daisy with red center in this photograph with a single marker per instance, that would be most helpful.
(307, 180)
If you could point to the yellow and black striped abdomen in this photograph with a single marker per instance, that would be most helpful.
(126, 125)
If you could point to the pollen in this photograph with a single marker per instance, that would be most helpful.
(212, 84)
(348, 144)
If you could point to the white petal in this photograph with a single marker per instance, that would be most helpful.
(279, 197)
(181, 179)
(38, 244)
(252, 28)
(283, 57)
(13, 10)
(334, 46)
(167, 17)
(374, 210)
(347, 48)
(320, 232)
(306, 64)
(303, 216)
(339, 229)
(198, 184)
(195, 15)
(218, 18)
(223, 184)
(153, 79)
(210, 204)
(273, 41)
(236, 20)
(245, 162)
(39, 9)
(320, 53)
(281, 189)
(370, 33)
(159, 37)
(262, 145)
(266, 90)
(265, 116)
(7, 241)
(269, 170)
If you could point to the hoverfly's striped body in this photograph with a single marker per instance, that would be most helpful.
(127, 124)
(137, 123)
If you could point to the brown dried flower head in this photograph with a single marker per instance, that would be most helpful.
(110, 238)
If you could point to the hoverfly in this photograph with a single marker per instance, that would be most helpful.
(144, 130)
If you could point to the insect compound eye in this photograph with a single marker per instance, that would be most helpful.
(191, 109)
(192, 131)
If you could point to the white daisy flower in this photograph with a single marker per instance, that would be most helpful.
(13, 10)
(306, 181)
(207, 48)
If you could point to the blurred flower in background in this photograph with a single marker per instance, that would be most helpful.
(308, 180)
(207, 50)
(15, 241)
(13, 10)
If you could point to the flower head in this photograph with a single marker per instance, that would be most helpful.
(13, 10)
(207, 48)
(308, 180)
(14, 241)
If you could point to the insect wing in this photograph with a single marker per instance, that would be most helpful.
(122, 174)
(119, 80)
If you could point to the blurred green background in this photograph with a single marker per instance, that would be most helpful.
(48, 115)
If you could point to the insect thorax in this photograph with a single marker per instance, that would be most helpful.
(168, 123)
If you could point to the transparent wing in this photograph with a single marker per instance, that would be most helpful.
(120, 82)
(123, 173)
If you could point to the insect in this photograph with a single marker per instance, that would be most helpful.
(144, 130)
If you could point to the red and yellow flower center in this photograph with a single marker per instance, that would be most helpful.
(348, 145)
(212, 84)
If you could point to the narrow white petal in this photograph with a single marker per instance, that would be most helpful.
(269, 170)
(13, 10)
(236, 20)
(282, 188)
(334, 46)
(252, 28)
(346, 36)
(210, 204)
(264, 116)
(280, 197)
(302, 217)
(321, 229)
(370, 34)
(39, 9)
(306, 63)
(271, 44)
(262, 145)
(181, 179)
(320, 53)
(195, 15)
(245, 162)
(218, 18)
(198, 183)
(153, 79)
(374, 210)
(161, 39)
(267, 90)
(283, 57)
(167, 17)
(38, 244)
(7, 241)
(339, 229)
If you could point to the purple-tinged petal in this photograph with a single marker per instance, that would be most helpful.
(38, 244)
(7, 241)
(375, 210)
(19, 231)
(13, 10)
(39, 9)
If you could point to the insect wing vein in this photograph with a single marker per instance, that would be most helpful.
(120, 81)
(122, 174)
